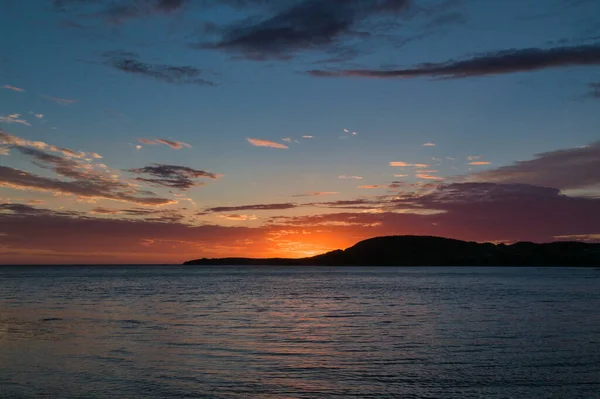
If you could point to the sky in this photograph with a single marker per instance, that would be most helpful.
(158, 131)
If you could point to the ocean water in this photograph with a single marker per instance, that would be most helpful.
(280, 333)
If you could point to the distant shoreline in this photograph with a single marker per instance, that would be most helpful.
(420, 251)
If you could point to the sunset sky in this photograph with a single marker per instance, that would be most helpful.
(157, 131)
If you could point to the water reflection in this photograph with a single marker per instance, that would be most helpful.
(299, 333)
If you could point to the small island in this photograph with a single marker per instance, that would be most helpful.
(435, 251)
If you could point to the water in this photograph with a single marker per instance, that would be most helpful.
(173, 332)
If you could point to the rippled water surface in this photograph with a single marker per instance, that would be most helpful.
(173, 332)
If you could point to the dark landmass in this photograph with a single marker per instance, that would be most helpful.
(435, 251)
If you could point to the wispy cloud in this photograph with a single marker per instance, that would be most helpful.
(10, 140)
(350, 177)
(493, 63)
(317, 194)
(370, 186)
(86, 188)
(266, 143)
(129, 63)
(307, 137)
(172, 176)
(287, 139)
(473, 157)
(427, 176)
(239, 218)
(177, 145)
(13, 88)
(402, 164)
(58, 100)
(429, 145)
(479, 163)
(257, 207)
(14, 118)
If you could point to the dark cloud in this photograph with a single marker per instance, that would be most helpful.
(258, 207)
(86, 188)
(118, 12)
(501, 62)
(302, 25)
(173, 176)
(473, 211)
(572, 168)
(128, 62)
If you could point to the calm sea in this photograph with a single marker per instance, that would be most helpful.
(175, 332)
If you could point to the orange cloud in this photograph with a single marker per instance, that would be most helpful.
(370, 186)
(428, 177)
(479, 163)
(406, 164)
(350, 177)
(240, 218)
(266, 143)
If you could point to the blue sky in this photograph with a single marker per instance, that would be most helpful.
(212, 75)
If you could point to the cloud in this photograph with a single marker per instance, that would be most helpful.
(429, 145)
(307, 137)
(400, 175)
(14, 118)
(240, 218)
(428, 176)
(473, 157)
(303, 25)
(571, 168)
(171, 143)
(287, 139)
(316, 194)
(479, 163)
(370, 186)
(138, 147)
(10, 140)
(13, 88)
(266, 143)
(39, 116)
(86, 188)
(58, 100)
(493, 63)
(173, 176)
(258, 207)
(467, 211)
(128, 62)
(405, 164)
(119, 12)
(350, 177)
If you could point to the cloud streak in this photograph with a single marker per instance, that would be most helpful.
(266, 143)
(493, 63)
(13, 88)
(129, 63)
(172, 176)
(257, 207)
(176, 145)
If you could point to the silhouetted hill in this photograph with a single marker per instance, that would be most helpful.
(436, 251)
